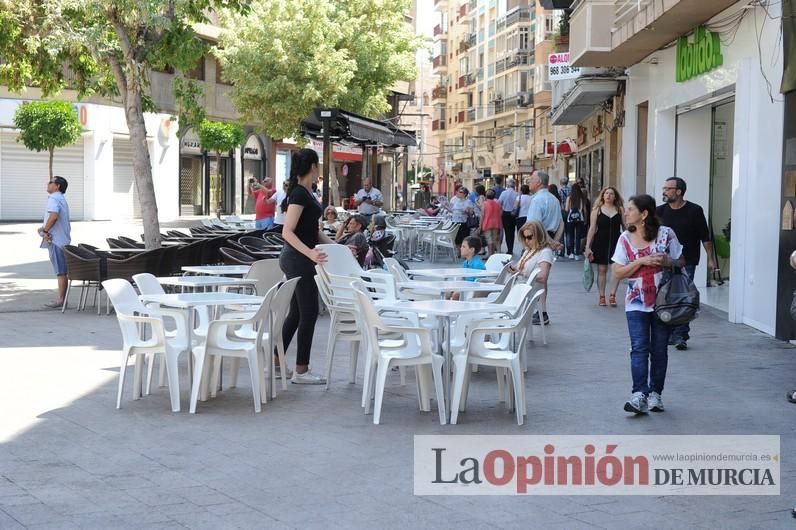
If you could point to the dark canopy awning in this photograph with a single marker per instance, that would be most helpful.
(352, 128)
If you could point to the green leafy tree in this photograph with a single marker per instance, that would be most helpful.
(219, 137)
(110, 47)
(287, 57)
(46, 125)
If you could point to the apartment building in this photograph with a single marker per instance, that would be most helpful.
(701, 102)
(483, 102)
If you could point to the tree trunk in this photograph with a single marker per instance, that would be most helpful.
(218, 184)
(52, 149)
(142, 167)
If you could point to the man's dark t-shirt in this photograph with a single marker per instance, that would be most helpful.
(689, 226)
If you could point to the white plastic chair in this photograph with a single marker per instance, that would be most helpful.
(340, 260)
(267, 273)
(416, 350)
(220, 344)
(343, 326)
(477, 353)
(279, 309)
(445, 238)
(148, 284)
(133, 317)
(496, 262)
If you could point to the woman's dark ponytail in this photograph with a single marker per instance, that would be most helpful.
(301, 163)
(646, 203)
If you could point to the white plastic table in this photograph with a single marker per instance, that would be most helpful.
(218, 270)
(444, 310)
(452, 273)
(443, 288)
(194, 282)
(190, 301)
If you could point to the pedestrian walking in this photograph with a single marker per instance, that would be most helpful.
(56, 233)
(537, 252)
(422, 197)
(604, 230)
(508, 200)
(369, 200)
(461, 209)
(298, 260)
(498, 187)
(279, 214)
(491, 222)
(575, 222)
(545, 208)
(264, 203)
(642, 254)
(522, 206)
(688, 221)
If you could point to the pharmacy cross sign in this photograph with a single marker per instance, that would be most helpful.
(700, 55)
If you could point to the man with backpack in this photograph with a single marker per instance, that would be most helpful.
(690, 226)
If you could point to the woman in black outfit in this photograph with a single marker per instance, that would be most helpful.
(299, 257)
(606, 226)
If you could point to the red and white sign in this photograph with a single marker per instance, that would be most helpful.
(339, 152)
(559, 67)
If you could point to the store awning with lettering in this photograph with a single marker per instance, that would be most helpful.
(351, 128)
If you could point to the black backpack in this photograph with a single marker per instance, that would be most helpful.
(575, 216)
(677, 302)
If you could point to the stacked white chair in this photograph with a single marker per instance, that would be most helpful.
(497, 262)
(133, 318)
(445, 238)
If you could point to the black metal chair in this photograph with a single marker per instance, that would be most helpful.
(259, 243)
(131, 241)
(82, 265)
(148, 261)
(230, 256)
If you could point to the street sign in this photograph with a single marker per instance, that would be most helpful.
(559, 67)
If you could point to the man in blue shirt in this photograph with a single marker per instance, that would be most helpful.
(56, 233)
(545, 207)
(498, 187)
(508, 200)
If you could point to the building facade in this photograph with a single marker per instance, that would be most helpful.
(701, 102)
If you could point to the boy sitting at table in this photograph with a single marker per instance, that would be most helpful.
(471, 246)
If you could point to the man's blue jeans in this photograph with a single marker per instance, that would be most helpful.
(649, 343)
(681, 332)
(266, 223)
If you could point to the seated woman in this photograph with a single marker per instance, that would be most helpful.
(330, 221)
(352, 234)
(538, 252)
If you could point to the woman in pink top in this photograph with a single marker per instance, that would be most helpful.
(491, 221)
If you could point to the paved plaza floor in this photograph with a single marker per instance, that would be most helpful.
(312, 459)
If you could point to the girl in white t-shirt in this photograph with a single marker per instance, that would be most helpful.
(538, 253)
(642, 254)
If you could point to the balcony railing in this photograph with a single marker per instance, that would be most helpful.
(520, 99)
(518, 15)
(465, 80)
(518, 59)
(624, 10)
(460, 117)
(438, 30)
(439, 92)
(471, 114)
(438, 125)
(439, 61)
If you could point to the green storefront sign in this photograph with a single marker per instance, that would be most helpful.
(701, 55)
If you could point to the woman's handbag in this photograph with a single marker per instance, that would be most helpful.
(473, 221)
(588, 275)
(677, 302)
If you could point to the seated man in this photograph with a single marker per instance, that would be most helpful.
(352, 234)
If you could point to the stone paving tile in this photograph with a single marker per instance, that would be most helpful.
(313, 459)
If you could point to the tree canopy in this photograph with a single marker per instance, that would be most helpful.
(284, 58)
(219, 136)
(46, 125)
